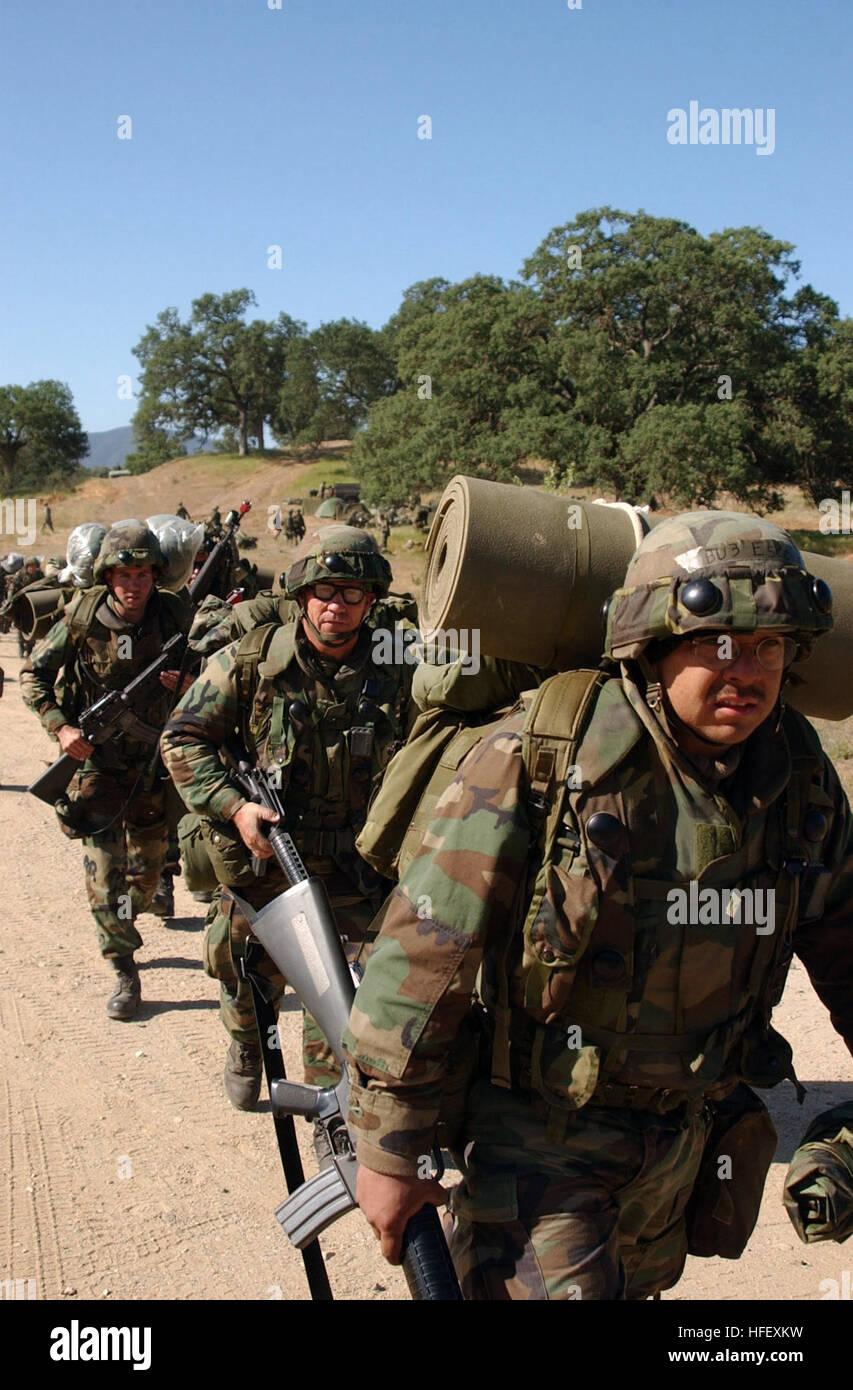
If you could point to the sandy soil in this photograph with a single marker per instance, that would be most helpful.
(128, 1175)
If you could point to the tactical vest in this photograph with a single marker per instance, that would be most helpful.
(97, 667)
(324, 754)
(606, 990)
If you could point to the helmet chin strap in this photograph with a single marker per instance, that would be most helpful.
(661, 707)
(327, 639)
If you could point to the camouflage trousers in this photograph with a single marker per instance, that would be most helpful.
(224, 945)
(123, 862)
(591, 1207)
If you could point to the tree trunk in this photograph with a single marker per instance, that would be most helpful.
(243, 435)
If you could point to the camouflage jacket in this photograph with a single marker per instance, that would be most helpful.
(66, 675)
(603, 986)
(322, 730)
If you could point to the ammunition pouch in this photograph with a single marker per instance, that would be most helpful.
(78, 818)
(199, 873)
(230, 860)
(726, 1198)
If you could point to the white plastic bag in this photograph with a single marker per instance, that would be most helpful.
(180, 541)
(81, 554)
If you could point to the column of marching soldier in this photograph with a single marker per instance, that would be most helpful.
(532, 904)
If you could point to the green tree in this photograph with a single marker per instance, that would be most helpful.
(41, 437)
(214, 371)
(355, 367)
(670, 351)
(472, 359)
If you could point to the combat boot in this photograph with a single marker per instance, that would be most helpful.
(243, 1075)
(163, 902)
(124, 1003)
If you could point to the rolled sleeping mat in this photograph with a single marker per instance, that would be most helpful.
(826, 691)
(35, 613)
(528, 569)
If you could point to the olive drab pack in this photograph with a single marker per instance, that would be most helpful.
(441, 738)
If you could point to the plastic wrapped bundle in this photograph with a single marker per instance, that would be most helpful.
(180, 541)
(81, 554)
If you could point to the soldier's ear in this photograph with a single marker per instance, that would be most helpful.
(372, 595)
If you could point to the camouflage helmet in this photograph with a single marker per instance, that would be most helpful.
(341, 553)
(818, 1191)
(720, 571)
(128, 543)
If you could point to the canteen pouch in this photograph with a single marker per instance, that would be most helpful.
(726, 1197)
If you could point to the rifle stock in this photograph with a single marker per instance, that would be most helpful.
(54, 780)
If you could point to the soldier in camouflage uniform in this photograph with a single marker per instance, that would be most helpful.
(316, 711)
(31, 573)
(107, 635)
(612, 1022)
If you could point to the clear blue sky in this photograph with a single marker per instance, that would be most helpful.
(254, 126)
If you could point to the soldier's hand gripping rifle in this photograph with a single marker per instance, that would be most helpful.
(113, 714)
(297, 930)
(122, 711)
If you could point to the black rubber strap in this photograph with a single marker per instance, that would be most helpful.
(285, 1129)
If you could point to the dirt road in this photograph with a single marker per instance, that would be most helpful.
(127, 1174)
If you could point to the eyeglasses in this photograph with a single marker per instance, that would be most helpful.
(719, 650)
(349, 593)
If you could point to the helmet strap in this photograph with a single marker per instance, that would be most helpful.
(335, 639)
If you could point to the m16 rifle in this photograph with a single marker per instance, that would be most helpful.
(297, 930)
(122, 711)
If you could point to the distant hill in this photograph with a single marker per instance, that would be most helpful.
(110, 448)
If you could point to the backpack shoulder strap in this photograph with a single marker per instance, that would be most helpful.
(557, 715)
(80, 613)
(251, 652)
(556, 719)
